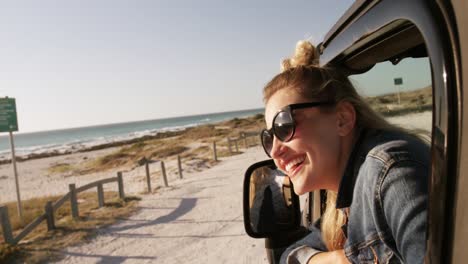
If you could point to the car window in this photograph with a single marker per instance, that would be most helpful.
(401, 92)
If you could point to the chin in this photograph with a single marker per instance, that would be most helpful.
(299, 188)
(298, 192)
(301, 184)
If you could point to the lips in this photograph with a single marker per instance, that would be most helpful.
(293, 164)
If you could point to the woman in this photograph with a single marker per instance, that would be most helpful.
(323, 135)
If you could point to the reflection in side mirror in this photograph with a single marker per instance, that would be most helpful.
(270, 205)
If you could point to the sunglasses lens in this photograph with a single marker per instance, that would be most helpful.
(267, 141)
(283, 126)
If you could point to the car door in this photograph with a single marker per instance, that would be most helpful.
(403, 57)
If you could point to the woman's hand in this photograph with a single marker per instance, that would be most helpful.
(332, 257)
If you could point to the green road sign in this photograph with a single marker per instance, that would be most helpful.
(8, 119)
(398, 81)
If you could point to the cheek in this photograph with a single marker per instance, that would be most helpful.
(315, 134)
(321, 142)
(277, 164)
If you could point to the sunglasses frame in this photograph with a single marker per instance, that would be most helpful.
(288, 109)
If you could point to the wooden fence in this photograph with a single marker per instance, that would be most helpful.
(51, 207)
(244, 138)
(71, 196)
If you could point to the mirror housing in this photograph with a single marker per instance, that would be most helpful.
(271, 208)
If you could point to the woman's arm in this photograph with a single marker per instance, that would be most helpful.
(332, 257)
(305, 248)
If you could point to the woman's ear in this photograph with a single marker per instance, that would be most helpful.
(346, 118)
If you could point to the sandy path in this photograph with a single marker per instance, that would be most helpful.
(414, 120)
(196, 220)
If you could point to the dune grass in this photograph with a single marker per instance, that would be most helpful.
(413, 101)
(168, 147)
(60, 168)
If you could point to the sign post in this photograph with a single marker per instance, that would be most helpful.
(398, 82)
(9, 123)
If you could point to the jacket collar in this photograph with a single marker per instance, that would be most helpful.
(345, 190)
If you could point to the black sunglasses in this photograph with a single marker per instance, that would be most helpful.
(283, 125)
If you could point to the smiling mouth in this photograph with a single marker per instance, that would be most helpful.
(293, 164)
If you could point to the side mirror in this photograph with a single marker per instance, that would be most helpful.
(271, 208)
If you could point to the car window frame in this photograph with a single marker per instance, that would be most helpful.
(432, 23)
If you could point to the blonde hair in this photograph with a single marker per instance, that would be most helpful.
(302, 73)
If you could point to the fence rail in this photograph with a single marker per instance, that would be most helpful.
(95, 184)
(61, 201)
(244, 138)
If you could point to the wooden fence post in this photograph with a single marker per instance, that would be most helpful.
(229, 145)
(100, 195)
(121, 186)
(73, 201)
(6, 226)
(179, 163)
(237, 147)
(245, 140)
(215, 155)
(148, 179)
(49, 211)
(163, 171)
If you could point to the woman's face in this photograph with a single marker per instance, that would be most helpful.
(312, 158)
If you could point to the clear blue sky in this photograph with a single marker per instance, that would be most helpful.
(79, 63)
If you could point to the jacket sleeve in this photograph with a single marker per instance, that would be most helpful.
(304, 249)
(404, 197)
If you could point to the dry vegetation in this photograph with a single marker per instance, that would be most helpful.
(194, 145)
(413, 101)
(41, 245)
(60, 168)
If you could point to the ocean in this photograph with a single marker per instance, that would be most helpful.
(75, 139)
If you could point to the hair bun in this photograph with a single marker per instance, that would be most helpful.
(304, 55)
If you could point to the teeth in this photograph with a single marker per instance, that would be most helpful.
(293, 163)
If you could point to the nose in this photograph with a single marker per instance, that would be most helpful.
(277, 149)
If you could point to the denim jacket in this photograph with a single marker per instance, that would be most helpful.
(385, 187)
